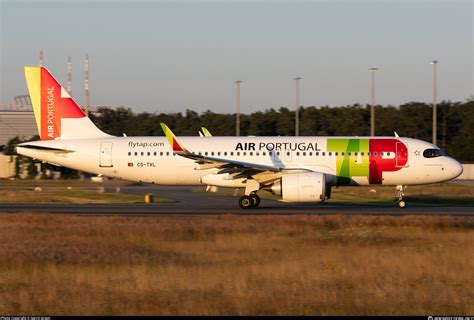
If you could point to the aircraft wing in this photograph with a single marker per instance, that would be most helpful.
(238, 169)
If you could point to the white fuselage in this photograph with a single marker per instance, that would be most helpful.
(151, 160)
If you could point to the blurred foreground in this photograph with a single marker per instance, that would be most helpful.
(236, 265)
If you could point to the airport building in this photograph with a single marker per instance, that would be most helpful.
(16, 121)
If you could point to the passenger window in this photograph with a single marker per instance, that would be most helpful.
(335, 153)
(329, 153)
(317, 154)
(225, 153)
(278, 153)
(310, 154)
(355, 153)
(148, 153)
(323, 154)
(238, 153)
(212, 153)
(342, 153)
(142, 153)
(205, 153)
(304, 154)
(167, 153)
(375, 154)
(251, 153)
(232, 153)
(245, 153)
(297, 153)
(264, 153)
(129, 154)
(368, 153)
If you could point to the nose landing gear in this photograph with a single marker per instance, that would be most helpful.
(400, 201)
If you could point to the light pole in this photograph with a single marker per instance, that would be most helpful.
(372, 101)
(435, 75)
(237, 115)
(86, 85)
(69, 75)
(297, 106)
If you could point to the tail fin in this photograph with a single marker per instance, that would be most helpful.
(57, 115)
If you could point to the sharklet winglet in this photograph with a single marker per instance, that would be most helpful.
(206, 132)
(175, 145)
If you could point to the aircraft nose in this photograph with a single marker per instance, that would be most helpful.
(456, 169)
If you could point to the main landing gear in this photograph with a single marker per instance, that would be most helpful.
(248, 202)
(400, 201)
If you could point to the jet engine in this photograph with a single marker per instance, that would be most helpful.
(301, 187)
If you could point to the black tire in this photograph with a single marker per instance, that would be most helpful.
(255, 199)
(402, 204)
(245, 202)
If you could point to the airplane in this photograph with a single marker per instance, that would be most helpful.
(298, 169)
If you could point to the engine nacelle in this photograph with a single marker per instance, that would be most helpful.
(301, 187)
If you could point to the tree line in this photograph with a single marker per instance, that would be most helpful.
(455, 129)
(455, 125)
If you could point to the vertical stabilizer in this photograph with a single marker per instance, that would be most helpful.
(57, 115)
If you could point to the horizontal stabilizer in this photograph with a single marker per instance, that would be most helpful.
(42, 148)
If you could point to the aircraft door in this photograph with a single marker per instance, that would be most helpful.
(106, 154)
(401, 155)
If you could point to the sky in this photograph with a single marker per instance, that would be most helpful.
(169, 56)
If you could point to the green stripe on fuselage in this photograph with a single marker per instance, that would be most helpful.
(350, 166)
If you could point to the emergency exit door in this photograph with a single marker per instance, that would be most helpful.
(106, 154)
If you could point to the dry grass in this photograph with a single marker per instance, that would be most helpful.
(236, 265)
(63, 183)
(64, 195)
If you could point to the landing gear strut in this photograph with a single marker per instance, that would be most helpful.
(400, 201)
(248, 202)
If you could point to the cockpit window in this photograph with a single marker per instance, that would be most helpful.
(433, 153)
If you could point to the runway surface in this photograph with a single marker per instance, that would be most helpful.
(198, 203)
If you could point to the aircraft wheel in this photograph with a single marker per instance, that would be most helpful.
(255, 200)
(402, 204)
(246, 202)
